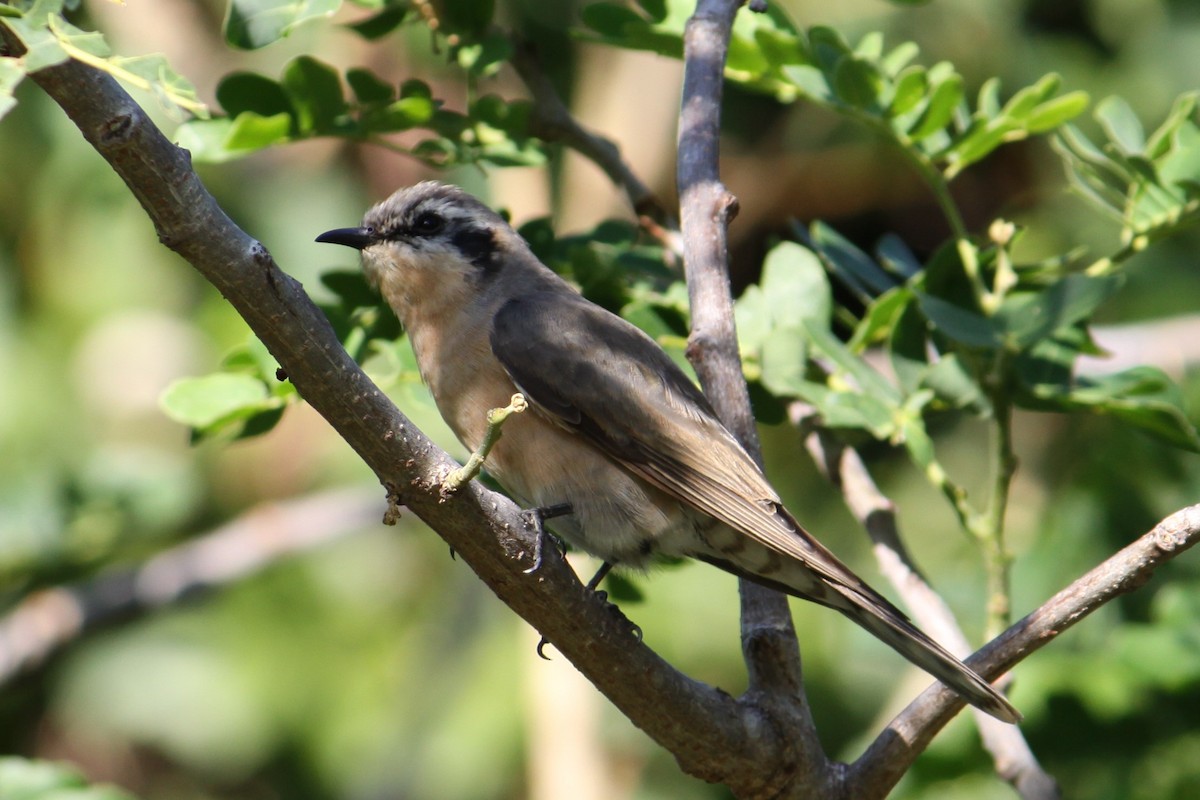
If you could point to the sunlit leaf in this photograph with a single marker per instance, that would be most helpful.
(251, 24)
(315, 91)
(201, 402)
(1121, 124)
(11, 74)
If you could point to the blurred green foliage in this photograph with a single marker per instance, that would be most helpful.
(378, 666)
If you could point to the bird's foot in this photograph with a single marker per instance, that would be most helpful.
(591, 586)
(535, 519)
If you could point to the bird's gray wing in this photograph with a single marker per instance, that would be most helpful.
(597, 375)
(602, 378)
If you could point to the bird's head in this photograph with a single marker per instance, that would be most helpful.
(428, 242)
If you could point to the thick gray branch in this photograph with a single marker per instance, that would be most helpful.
(706, 208)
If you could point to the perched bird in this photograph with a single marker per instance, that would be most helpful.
(617, 430)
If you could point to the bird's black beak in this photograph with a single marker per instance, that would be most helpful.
(358, 238)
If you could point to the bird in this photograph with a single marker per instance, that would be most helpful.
(616, 432)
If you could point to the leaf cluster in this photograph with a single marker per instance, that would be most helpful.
(49, 39)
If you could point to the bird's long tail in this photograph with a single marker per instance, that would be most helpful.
(822, 579)
(891, 626)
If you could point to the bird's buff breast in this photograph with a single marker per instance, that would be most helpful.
(615, 516)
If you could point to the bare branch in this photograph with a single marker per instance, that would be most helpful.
(47, 620)
(706, 208)
(910, 732)
(702, 726)
(844, 468)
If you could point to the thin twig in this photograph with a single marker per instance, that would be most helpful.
(844, 468)
(553, 121)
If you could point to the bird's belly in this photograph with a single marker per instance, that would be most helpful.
(614, 515)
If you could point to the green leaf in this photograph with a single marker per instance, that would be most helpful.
(656, 10)
(910, 88)
(202, 402)
(205, 140)
(1027, 317)
(250, 24)
(315, 91)
(351, 287)
(1121, 124)
(22, 779)
(850, 409)
(251, 131)
(780, 48)
(960, 324)
(383, 23)
(1143, 397)
(1022, 104)
(828, 46)
(369, 87)
(811, 82)
(49, 39)
(610, 19)
(858, 82)
(953, 384)
(485, 57)
(752, 317)
(943, 100)
(249, 91)
(896, 257)
(1054, 113)
(978, 141)
(469, 19)
(908, 345)
(153, 74)
(868, 381)
(899, 58)
(988, 103)
(795, 287)
(847, 262)
(784, 352)
(1160, 141)
(879, 317)
(406, 113)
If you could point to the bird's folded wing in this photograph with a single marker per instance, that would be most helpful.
(602, 378)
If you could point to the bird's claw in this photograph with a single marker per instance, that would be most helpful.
(602, 596)
(535, 519)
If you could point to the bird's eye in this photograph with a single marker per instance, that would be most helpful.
(428, 223)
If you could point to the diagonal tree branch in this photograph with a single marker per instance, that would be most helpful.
(763, 745)
(553, 122)
(892, 753)
(710, 733)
